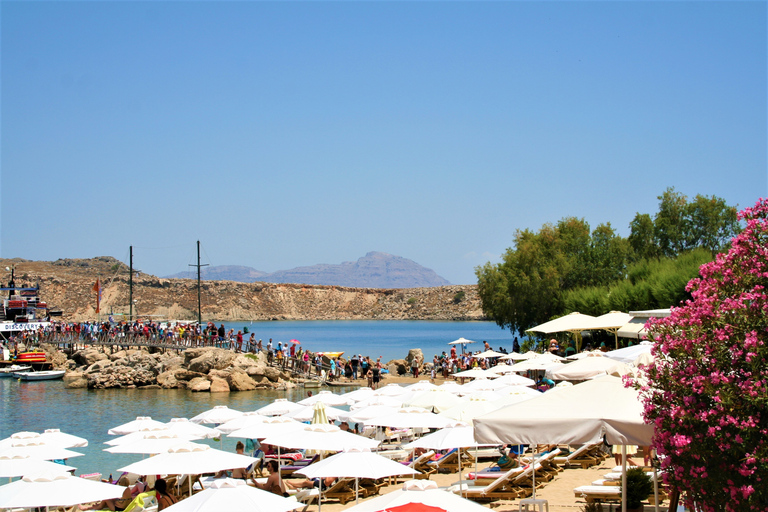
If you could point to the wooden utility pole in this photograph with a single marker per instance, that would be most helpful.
(199, 301)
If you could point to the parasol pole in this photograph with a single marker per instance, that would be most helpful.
(623, 478)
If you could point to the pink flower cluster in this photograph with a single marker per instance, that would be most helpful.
(707, 392)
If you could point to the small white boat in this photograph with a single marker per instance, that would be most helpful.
(16, 368)
(43, 375)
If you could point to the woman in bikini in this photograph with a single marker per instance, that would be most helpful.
(164, 499)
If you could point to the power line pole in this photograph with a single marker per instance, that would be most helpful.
(199, 301)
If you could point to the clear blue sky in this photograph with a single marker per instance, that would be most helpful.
(284, 134)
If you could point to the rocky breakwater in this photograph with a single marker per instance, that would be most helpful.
(208, 369)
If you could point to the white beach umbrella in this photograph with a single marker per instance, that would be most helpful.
(233, 496)
(17, 437)
(411, 419)
(481, 384)
(573, 322)
(471, 374)
(152, 443)
(588, 368)
(488, 354)
(450, 385)
(140, 423)
(469, 410)
(356, 464)
(219, 414)
(246, 420)
(11, 467)
(357, 395)
(514, 356)
(307, 412)
(183, 426)
(269, 427)
(325, 437)
(434, 400)
(461, 341)
(422, 385)
(498, 370)
(55, 489)
(419, 491)
(630, 354)
(326, 397)
(513, 379)
(455, 435)
(518, 390)
(388, 401)
(393, 390)
(56, 436)
(487, 395)
(278, 407)
(189, 459)
(366, 413)
(38, 449)
(536, 363)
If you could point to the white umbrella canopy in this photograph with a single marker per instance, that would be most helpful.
(422, 385)
(471, 374)
(183, 426)
(518, 390)
(325, 437)
(452, 386)
(487, 354)
(469, 410)
(435, 400)
(38, 449)
(357, 395)
(574, 322)
(411, 419)
(513, 379)
(514, 356)
(269, 427)
(246, 420)
(234, 497)
(419, 491)
(630, 354)
(307, 412)
(140, 423)
(366, 413)
(152, 443)
(537, 363)
(278, 407)
(56, 436)
(481, 384)
(326, 397)
(394, 390)
(219, 414)
(54, 489)
(575, 415)
(388, 401)
(356, 464)
(498, 370)
(189, 459)
(461, 341)
(18, 437)
(588, 368)
(11, 467)
(454, 435)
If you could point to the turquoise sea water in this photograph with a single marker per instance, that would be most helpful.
(36, 406)
(390, 339)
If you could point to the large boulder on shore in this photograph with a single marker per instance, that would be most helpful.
(199, 384)
(414, 353)
(119, 376)
(168, 380)
(240, 381)
(208, 358)
(219, 385)
(88, 356)
(75, 380)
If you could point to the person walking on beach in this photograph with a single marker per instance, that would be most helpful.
(355, 362)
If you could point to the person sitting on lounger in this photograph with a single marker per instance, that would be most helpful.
(273, 483)
(310, 483)
(164, 498)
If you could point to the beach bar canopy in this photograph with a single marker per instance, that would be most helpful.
(635, 328)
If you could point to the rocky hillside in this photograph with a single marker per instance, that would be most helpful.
(374, 270)
(67, 284)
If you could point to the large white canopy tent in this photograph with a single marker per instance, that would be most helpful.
(579, 414)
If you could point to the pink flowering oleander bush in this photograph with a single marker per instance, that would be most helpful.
(707, 392)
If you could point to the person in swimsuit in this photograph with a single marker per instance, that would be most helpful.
(164, 498)
(273, 483)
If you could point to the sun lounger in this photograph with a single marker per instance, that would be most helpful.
(421, 464)
(598, 493)
(449, 463)
(502, 488)
(144, 502)
(581, 457)
(343, 490)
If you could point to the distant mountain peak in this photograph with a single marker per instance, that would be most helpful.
(374, 270)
